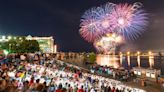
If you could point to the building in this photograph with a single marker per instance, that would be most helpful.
(46, 43)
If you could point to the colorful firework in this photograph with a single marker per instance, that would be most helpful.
(95, 22)
(129, 20)
(108, 43)
(125, 21)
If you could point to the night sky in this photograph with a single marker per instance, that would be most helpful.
(61, 19)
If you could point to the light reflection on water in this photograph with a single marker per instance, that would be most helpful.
(114, 61)
(108, 60)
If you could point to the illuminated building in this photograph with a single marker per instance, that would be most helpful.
(46, 44)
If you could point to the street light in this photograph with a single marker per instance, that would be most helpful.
(6, 52)
(20, 38)
(128, 53)
(9, 37)
(3, 37)
(138, 53)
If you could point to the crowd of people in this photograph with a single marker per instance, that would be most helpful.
(38, 73)
(118, 74)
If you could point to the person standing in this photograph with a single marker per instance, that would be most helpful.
(81, 89)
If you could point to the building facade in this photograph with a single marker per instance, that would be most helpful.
(46, 44)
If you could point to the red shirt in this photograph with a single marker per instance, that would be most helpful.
(75, 76)
(58, 90)
(31, 82)
(80, 90)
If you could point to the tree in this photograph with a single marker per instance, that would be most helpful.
(92, 57)
(21, 46)
(33, 46)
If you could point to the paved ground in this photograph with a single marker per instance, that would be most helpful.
(150, 87)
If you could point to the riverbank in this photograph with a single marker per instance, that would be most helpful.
(149, 87)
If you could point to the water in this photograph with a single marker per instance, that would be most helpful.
(108, 60)
(114, 61)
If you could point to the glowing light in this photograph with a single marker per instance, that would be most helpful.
(105, 24)
(119, 39)
(108, 60)
(113, 35)
(20, 38)
(107, 43)
(5, 52)
(128, 53)
(138, 53)
(3, 37)
(121, 21)
(9, 37)
(95, 22)
(55, 48)
(129, 21)
(151, 59)
(150, 53)
(138, 59)
(111, 24)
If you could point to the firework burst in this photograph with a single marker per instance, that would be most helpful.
(95, 22)
(108, 43)
(128, 20)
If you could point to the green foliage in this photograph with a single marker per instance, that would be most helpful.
(92, 57)
(89, 57)
(21, 46)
